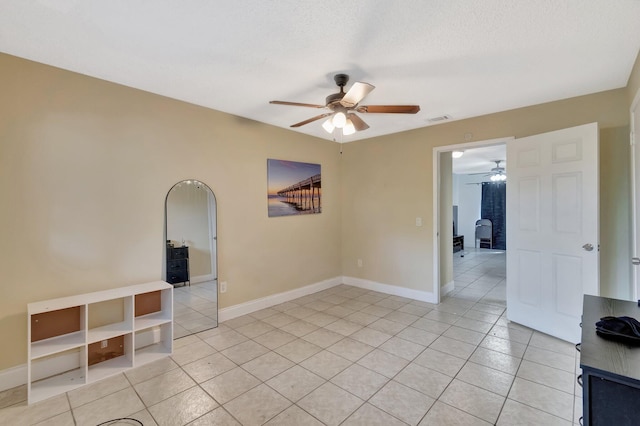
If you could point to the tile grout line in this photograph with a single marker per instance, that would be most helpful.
(474, 303)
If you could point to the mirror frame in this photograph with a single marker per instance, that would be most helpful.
(214, 256)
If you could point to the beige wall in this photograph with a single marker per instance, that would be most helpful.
(634, 80)
(445, 203)
(85, 166)
(386, 185)
(615, 216)
(84, 169)
(387, 182)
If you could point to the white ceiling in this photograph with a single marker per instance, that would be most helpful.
(480, 160)
(463, 58)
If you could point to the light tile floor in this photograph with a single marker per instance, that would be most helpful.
(345, 356)
(195, 308)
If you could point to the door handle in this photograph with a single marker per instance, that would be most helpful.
(588, 247)
(635, 260)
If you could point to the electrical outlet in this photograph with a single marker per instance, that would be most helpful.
(104, 344)
(359, 263)
(223, 287)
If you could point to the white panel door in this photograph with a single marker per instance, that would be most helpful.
(552, 229)
(635, 184)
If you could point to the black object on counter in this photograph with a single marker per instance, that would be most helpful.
(622, 329)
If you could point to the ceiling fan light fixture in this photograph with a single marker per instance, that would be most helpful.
(457, 154)
(328, 126)
(348, 128)
(340, 108)
(498, 178)
(339, 120)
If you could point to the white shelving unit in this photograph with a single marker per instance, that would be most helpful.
(66, 351)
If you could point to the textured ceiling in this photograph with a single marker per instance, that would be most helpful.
(480, 160)
(462, 58)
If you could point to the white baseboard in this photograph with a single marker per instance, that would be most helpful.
(13, 377)
(275, 299)
(447, 288)
(394, 290)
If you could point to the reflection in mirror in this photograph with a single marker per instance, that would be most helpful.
(191, 261)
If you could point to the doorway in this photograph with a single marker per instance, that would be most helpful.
(479, 198)
(553, 227)
(467, 200)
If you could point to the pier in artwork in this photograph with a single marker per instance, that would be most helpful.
(305, 194)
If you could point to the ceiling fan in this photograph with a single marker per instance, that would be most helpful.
(343, 106)
(496, 174)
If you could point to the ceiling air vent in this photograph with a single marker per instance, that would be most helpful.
(439, 119)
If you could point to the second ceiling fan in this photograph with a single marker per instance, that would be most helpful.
(343, 106)
(496, 174)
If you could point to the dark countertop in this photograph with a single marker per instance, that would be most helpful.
(605, 355)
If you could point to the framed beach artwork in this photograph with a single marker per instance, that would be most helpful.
(293, 188)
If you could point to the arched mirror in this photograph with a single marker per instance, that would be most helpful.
(190, 254)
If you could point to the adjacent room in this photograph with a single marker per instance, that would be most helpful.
(479, 220)
(318, 213)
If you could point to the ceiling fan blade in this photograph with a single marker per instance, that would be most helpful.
(296, 104)
(389, 109)
(357, 93)
(317, 117)
(358, 123)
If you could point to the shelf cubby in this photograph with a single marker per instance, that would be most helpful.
(57, 373)
(54, 330)
(109, 318)
(153, 343)
(151, 309)
(109, 359)
(80, 339)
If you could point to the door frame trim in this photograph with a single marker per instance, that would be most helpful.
(436, 197)
(634, 226)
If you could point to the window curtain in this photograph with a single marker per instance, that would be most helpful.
(494, 208)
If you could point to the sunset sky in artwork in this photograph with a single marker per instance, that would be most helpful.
(282, 173)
